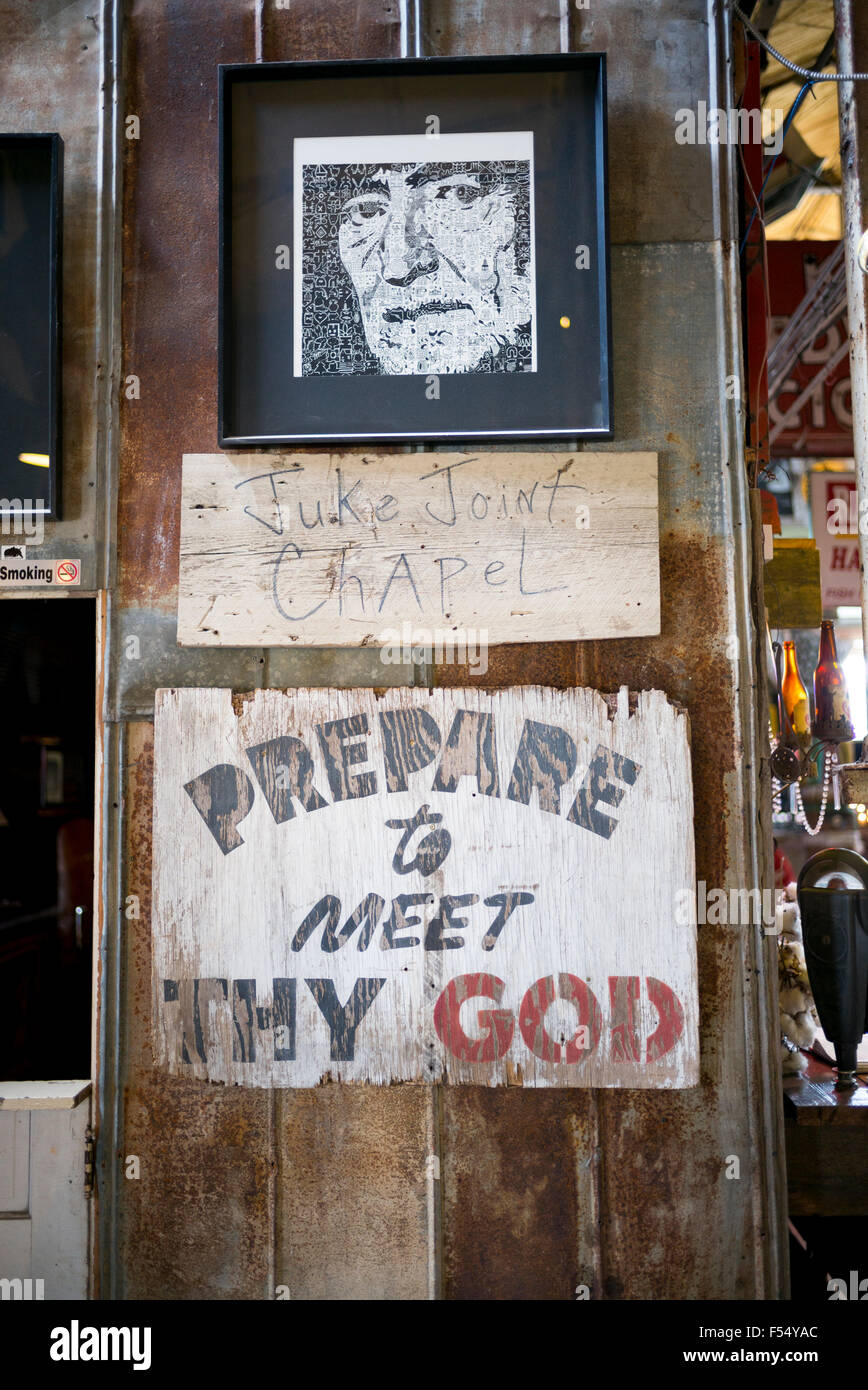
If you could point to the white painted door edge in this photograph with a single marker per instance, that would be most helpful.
(42, 1095)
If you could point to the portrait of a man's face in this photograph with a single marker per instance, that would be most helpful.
(416, 266)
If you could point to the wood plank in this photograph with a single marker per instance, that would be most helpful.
(14, 1165)
(812, 1098)
(15, 1250)
(361, 549)
(489, 835)
(59, 1208)
(42, 1095)
(826, 1167)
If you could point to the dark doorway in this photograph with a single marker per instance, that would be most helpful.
(47, 698)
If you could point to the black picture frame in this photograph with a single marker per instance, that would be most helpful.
(31, 220)
(273, 393)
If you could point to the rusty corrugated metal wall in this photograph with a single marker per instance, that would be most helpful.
(407, 1191)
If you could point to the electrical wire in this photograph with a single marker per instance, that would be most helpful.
(766, 296)
(787, 123)
(765, 279)
(807, 73)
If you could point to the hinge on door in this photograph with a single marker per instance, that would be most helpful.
(88, 1162)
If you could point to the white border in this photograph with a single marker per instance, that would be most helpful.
(403, 149)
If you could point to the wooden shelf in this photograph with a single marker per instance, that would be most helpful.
(827, 1144)
(811, 1099)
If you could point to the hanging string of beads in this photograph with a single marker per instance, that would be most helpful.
(801, 815)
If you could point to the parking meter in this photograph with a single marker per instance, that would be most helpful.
(833, 903)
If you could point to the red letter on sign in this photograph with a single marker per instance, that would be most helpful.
(671, 1024)
(499, 1022)
(531, 1017)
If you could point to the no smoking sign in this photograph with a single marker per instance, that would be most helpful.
(17, 572)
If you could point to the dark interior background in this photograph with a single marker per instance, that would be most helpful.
(26, 384)
(47, 698)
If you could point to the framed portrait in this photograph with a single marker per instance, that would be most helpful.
(414, 249)
(31, 193)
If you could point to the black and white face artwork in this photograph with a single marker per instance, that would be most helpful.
(414, 256)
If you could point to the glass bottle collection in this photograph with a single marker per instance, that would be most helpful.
(831, 722)
(805, 737)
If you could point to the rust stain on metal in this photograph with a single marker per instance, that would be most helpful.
(355, 1178)
(652, 1205)
(136, 930)
(170, 284)
(480, 26)
(686, 662)
(197, 1225)
(310, 30)
(518, 663)
(512, 1192)
(194, 1142)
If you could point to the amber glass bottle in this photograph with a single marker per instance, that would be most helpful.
(832, 721)
(795, 698)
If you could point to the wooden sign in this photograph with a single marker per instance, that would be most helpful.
(822, 427)
(792, 584)
(425, 886)
(367, 549)
(836, 522)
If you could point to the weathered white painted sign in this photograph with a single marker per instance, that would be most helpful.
(353, 549)
(835, 517)
(448, 885)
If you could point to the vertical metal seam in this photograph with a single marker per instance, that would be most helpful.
(418, 28)
(109, 280)
(273, 1192)
(103, 618)
(739, 588)
(583, 674)
(410, 18)
(434, 1188)
(764, 1117)
(597, 1191)
(564, 15)
(106, 1102)
(852, 197)
(111, 1027)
